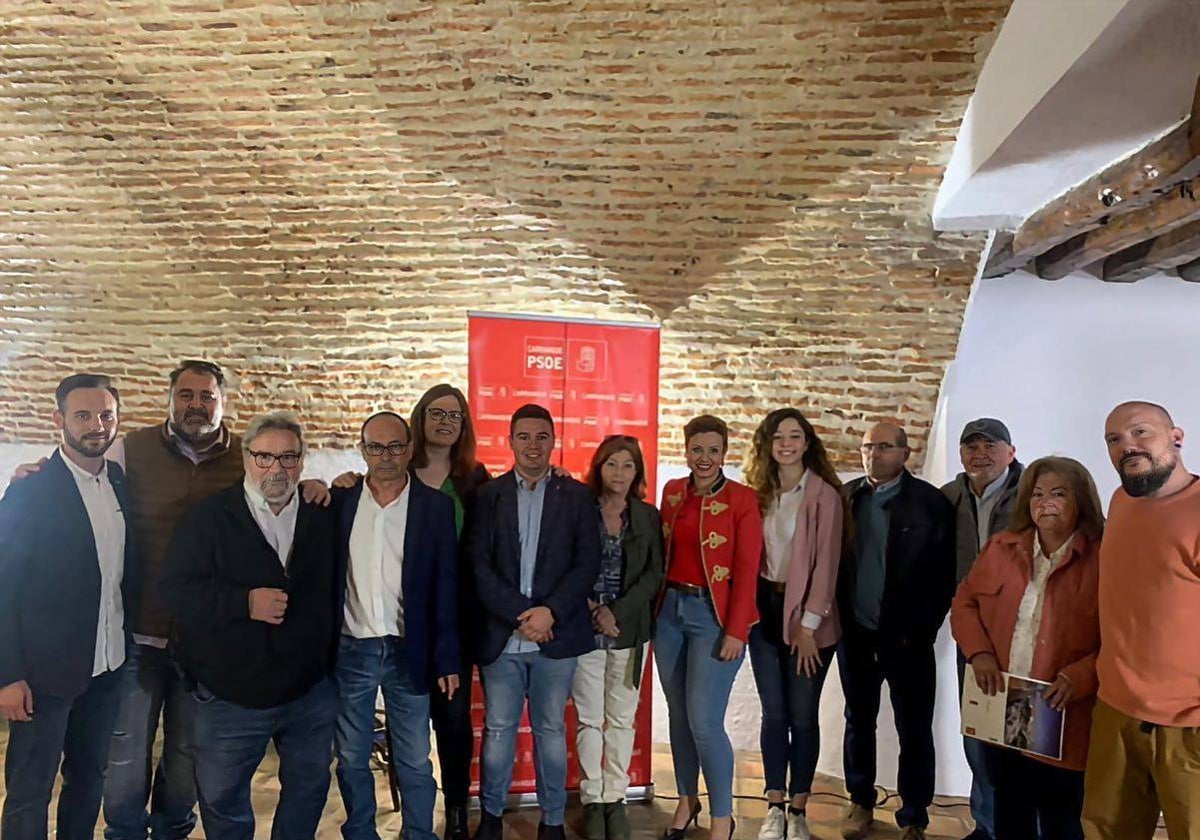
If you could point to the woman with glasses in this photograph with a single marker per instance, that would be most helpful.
(714, 540)
(443, 457)
(804, 521)
(607, 680)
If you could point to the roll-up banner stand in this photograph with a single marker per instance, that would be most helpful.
(597, 378)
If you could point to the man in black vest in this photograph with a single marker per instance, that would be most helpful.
(250, 582)
(66, 575)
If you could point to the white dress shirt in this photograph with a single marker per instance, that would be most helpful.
(279, 529)
(374, 578)
(108, 529)
(779, 527)
(1029, 614)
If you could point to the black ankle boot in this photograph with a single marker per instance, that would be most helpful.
(456, 823)
(490, 827)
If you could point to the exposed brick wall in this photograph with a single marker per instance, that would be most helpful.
(315, 193)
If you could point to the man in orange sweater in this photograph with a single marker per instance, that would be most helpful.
(1145, 746)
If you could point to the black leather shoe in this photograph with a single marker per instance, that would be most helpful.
(490, 827)
(456, 823)
(551, 832)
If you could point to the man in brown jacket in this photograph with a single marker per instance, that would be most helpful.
(171, 466)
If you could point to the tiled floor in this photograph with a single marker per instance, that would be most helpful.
(648, 819)
(949, 819)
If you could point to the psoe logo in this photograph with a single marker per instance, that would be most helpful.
(544, 355)
(588, 359)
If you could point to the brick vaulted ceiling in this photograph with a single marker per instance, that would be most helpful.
(316, 192)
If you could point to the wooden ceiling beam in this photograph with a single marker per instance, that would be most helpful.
(1170, 250)
(1190, 271)
(1177, 208)
(1132, 182)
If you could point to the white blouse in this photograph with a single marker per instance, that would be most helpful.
(1029, 614)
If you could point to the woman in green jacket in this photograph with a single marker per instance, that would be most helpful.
(607, 680)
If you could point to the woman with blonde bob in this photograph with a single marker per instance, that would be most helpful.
(804, 524)
(1029, 609)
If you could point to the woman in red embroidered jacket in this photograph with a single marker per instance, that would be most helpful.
(714, 540)
(804, 518)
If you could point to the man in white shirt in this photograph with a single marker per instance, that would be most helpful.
(249, 579)
(66, 569)
(397, 578)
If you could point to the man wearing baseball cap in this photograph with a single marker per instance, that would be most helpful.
(983, 496)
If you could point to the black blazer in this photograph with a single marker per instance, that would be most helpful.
(216, 556)
(50, 581)
(568, 561)
(919, 577)
(428, 577)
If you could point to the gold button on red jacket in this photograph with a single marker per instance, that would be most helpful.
(731, 545)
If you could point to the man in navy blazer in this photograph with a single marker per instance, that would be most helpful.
(533, 545)
(398, 606)
(66, 587)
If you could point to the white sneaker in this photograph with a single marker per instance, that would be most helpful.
(797, 827)
(773, 825)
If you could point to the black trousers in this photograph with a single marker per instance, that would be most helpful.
(866, 659)
(455, 739)
(1034, 801)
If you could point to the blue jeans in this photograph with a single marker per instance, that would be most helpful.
(231, 741)
(983, 790)
(697, 685)
(74, 732)
(790, 736)
(364, 666)
(151, 687)
(506, 684)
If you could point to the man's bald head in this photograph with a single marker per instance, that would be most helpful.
(1133, 407)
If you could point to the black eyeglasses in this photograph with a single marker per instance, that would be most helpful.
(440, 414)
(879, 447)
(377, 449)
(264, 460)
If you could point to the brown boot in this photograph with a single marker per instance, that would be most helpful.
(857, 822)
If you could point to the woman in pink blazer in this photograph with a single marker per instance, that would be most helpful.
(804, 524)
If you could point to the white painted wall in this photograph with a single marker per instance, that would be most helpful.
(1052, 359)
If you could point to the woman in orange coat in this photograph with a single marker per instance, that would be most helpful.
(714, 540)
(1028, 609)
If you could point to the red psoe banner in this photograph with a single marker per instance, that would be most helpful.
(596, 378)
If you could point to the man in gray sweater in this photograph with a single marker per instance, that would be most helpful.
(983, 496)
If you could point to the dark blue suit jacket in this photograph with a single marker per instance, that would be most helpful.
(429, 577)
(50, 581)
(568, 562)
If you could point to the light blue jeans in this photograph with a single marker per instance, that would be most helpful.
(697, 685)
(506, 684)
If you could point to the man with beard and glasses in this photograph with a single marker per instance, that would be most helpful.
(67, 583)
(170, 466)
(250, 582)
(1144, 756)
